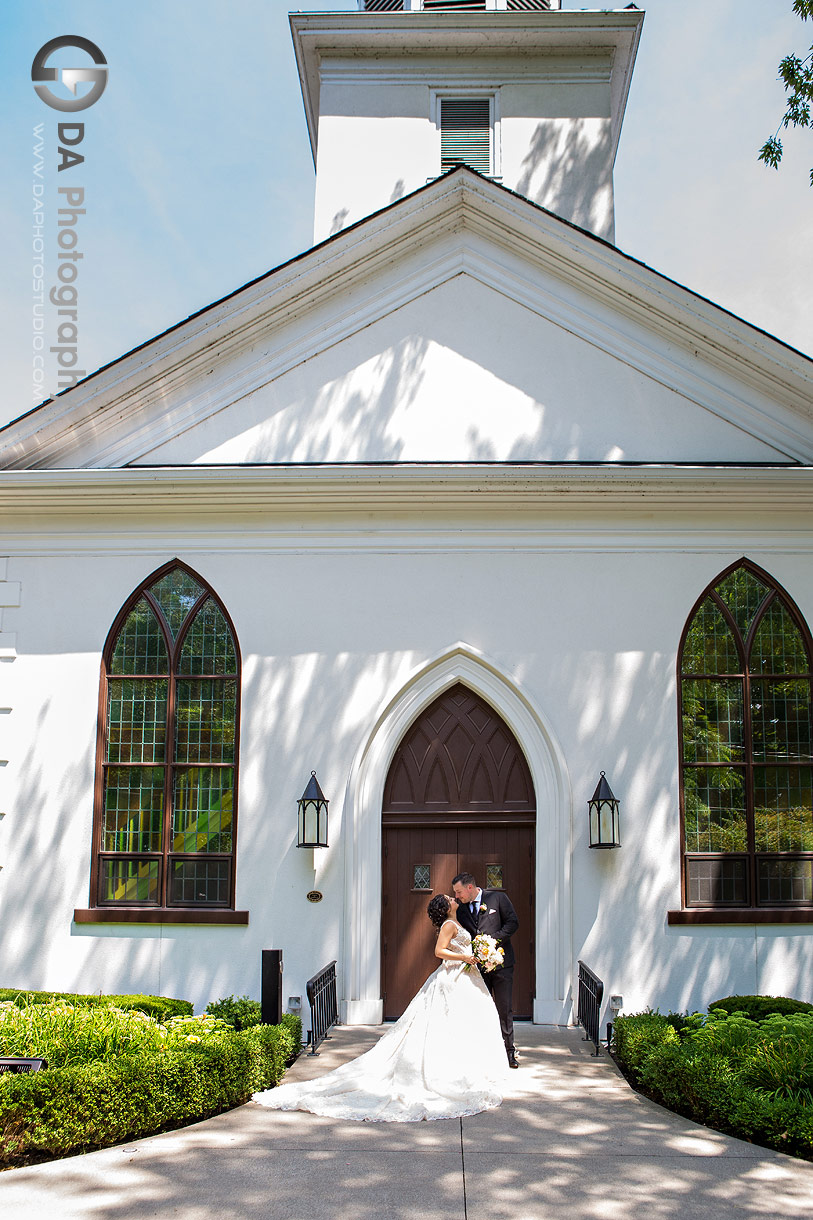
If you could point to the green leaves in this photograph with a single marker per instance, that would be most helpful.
(797, 77)
(771, 152)
(749, 1075)
(196, 1068)
(239, 1012)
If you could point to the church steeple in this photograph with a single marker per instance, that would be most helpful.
(526, 93)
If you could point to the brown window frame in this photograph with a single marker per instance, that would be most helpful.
(791, 911)
(164, 910)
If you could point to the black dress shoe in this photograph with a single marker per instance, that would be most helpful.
(512, 1061)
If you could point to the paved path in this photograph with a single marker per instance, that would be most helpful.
(571, 1142)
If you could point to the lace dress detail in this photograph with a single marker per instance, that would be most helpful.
(444, 1058)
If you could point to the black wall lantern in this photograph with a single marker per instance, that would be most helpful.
(603, 812)
(312, 815)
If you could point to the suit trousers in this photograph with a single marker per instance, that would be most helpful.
(501, 985)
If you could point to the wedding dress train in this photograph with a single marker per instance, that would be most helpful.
(444, 1058)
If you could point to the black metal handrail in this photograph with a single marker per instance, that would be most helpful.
(321, 992)
(588, 1004)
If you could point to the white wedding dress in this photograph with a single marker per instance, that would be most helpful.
(443, 1058)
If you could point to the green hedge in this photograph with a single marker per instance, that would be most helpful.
(757, 1007)
(239, 1012)
(693, 1078)
(58, 1113)
(157, 1006)
(636, 1037)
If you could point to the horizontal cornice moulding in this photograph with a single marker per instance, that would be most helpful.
(320, 37)
(217, 492)
(558, 71)
(247, 537)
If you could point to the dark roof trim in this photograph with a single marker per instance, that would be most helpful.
(518, 464)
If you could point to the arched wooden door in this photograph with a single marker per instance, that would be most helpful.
(458, 797)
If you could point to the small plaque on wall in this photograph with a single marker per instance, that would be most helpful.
(314, 895)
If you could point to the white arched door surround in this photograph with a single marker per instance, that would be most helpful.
(361, 986)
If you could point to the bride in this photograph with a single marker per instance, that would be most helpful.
(444, 1058)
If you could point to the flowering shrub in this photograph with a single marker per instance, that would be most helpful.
(158, 1006)
(189, 1030)
(67, 1035)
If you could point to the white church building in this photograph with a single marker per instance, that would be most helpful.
(457, 509)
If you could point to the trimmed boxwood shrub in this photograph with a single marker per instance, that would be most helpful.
(636, 1037)
(240, 1012)
(76, 1109)
(757, 1007)
(158, 1006)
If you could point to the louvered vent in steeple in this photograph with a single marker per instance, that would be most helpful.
(465, 133)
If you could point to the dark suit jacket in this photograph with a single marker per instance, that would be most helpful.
(498, 920)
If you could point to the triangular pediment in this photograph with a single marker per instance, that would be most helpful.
(462, 324)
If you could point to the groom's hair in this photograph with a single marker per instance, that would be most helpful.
(464, 879)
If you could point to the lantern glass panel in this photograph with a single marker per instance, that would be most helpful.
(604, 820)
(312, 823)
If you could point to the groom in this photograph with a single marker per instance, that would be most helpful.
(492, 912)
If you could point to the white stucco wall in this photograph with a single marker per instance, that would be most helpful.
(464, 373)
(332, 633)
(379, 139)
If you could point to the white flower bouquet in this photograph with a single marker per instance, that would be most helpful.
(487, 953)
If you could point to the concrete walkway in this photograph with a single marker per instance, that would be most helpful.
(571, 1142)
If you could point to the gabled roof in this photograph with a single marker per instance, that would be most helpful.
(458, 223)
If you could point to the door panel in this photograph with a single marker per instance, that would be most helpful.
(511, 847)
(408, 941)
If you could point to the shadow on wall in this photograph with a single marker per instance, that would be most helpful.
(387, 406)
(49, 828)
(608, 691)
(562, 168)
(621, 897)
(338, 220)
(309, 428)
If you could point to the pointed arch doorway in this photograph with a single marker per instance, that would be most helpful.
(458, 797)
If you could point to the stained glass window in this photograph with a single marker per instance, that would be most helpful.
(176, 594)
(166, 815)
(140, 647)
(747, 746)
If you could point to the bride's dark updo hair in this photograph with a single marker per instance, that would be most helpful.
(438, 910)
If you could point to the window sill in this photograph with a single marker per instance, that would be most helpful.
(741, 915)
(164, 915)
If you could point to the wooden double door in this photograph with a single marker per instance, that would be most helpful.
(436, 854)
(458, 798)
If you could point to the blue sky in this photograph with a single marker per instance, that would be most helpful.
(198, 174)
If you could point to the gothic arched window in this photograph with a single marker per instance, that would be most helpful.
(165, 817)
(747, 754)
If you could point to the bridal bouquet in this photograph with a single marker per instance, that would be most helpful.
(487, 952)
